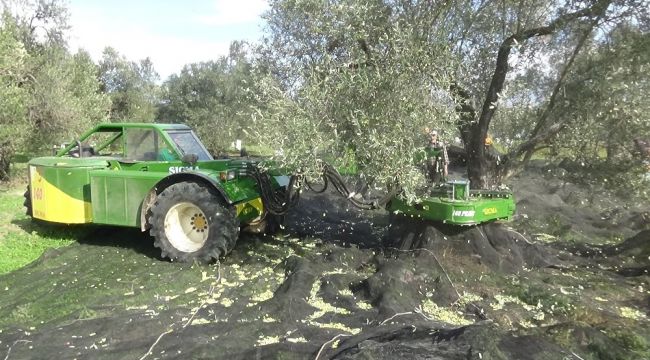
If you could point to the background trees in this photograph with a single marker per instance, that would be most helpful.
(13, 97)
(131, 86)
(214, 97)
(606, 109)
(47, 94)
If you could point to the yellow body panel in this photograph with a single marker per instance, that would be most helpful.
(51, 204)
(250, 206)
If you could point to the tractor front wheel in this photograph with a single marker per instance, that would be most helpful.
(190, 221)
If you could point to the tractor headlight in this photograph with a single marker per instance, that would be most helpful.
(227, 175)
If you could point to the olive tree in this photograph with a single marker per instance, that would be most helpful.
(355, 83)
(13, 96)
(352, 78)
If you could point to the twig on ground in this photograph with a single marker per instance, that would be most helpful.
(12, 345)
(394, 316)
(149, 352)
(218, 279)
(520, 235)
(418, 310)
(189, 321)
(327, 343)
(581, 234)
(576, 355)
(210, 292)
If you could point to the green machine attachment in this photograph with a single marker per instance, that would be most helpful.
(456, 204)
(450, 203)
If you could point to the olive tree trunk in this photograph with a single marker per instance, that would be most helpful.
(484, 171)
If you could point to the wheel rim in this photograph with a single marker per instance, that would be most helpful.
(186, 227)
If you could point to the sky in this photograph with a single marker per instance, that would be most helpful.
(171, 33)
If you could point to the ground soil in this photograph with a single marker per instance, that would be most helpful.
(567, 279)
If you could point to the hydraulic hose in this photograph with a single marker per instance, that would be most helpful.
(330, 174)
(279, 201)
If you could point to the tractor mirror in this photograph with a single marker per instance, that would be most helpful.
(190, 159)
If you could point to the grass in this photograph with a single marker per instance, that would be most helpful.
(22, 241)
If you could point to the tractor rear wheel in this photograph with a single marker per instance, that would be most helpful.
(28, 202)
(190, 221)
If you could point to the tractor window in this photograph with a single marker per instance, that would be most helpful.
(147, 145)
(106, 143)
(188, 143)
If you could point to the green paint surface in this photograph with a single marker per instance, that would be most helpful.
(478, 207)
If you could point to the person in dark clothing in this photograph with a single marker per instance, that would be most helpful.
(437, 158)
(490, 151)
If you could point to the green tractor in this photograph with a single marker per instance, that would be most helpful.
(157, 177)
(160, 177)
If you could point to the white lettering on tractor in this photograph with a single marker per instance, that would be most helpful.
(179, 169)
(463, 212)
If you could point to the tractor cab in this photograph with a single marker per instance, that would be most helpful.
(137, 142)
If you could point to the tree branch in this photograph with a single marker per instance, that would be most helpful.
(501, 68)
(541, 122)
(531, 143)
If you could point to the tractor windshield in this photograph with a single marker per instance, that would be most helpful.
(188, 143)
